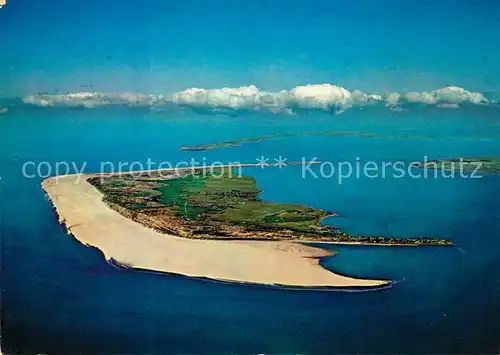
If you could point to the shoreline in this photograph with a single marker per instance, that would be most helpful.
(191, 168)
(384, 286)
(283, 263)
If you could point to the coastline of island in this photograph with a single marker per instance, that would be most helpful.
(91, 221)
(332, 133)
(489, 164)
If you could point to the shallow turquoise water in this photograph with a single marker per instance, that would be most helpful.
(60, 297)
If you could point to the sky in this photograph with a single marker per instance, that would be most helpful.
(162, 46)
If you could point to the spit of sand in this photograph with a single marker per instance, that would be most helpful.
(286, 263)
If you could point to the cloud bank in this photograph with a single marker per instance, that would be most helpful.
(324, 97)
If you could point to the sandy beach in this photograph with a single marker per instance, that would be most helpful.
(287, 263)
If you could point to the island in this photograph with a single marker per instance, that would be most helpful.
(470, 165)
(205, 223)
(242, 141)
(332, 133)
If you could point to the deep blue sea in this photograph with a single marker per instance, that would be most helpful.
(61, 297)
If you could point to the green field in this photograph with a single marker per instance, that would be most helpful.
(221, 204)
(478, 164)
(222, 197)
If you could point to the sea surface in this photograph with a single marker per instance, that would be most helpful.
(61, 297)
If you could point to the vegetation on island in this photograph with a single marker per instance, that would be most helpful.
(334, 133)
(239, 142)
(217, 204)
(468, 165)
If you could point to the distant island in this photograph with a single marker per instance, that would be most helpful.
(477, 164)
(239, 142)
(334, 133)
(205, 223)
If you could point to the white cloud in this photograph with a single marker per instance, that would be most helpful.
(360, 98)
(234, 98)
(92, 99)
(325, 97)
(447, 95)
(420, 97)
(448, 106)
(454, 94)
(392, 99)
